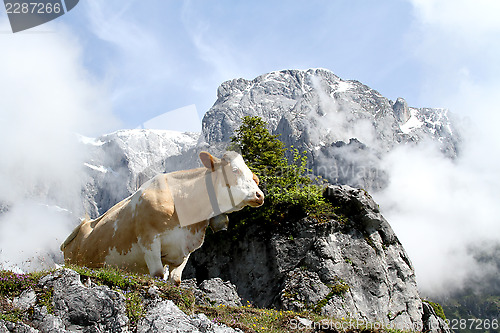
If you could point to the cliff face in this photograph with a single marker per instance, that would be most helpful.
(354, 268)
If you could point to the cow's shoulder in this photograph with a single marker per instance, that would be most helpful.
(156, 195)
(152, 209)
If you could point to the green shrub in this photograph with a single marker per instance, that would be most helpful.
(288, 185)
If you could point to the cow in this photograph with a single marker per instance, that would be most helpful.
(165, 220)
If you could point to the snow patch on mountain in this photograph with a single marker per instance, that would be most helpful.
(411, 123)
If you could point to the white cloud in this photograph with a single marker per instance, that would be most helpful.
(463, 19)
(457, 45)
(440, 209)
(134, 53)
(47, 97)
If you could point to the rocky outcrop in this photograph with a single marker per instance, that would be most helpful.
(401, 110)
(70, 305)
(164, 316)
(351, 267)
(214, 292)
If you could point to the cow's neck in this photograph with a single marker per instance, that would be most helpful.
(219, 192)
(190, 193)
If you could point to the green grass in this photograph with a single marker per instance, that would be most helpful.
(12, 316)
(337, 289)
(136, 286)
(111, 276)
(134, 307)
(250, 319)
(13, 284)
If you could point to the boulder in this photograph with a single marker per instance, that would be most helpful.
(353, 266)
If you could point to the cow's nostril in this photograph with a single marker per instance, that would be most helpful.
(259, 195)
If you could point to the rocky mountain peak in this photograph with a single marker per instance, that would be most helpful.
(317, 111)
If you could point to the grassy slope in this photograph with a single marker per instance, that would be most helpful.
(135, 288)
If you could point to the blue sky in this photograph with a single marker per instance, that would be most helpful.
(149, 56)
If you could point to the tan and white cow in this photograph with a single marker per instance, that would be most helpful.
(143, 233)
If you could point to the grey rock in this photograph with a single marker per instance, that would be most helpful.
(93, 308)
(81, 308)
(213, 292)
(205, 325)
(154, 292)
(301, 289)
(220, 292)
(165, 316)
(26, 300)
(4, 207)
(433, 323)
(46, 322)
(401, 110)
(6, 326)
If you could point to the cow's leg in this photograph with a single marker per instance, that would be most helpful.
(152, 256)
(175, 272)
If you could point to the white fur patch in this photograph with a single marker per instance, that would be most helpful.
(179, 242)
(132, 259)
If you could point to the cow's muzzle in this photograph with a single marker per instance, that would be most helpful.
(258, 199)
(219, 222)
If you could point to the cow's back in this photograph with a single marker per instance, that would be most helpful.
(140, 217)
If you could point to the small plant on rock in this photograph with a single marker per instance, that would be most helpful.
(289, 187)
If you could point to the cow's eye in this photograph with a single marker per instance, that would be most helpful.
(237, 171)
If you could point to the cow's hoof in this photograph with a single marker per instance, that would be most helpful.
(175, 281)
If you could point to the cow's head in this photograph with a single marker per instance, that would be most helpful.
(242, 182)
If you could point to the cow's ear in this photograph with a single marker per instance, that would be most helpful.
(255, 178)
(209, 161)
